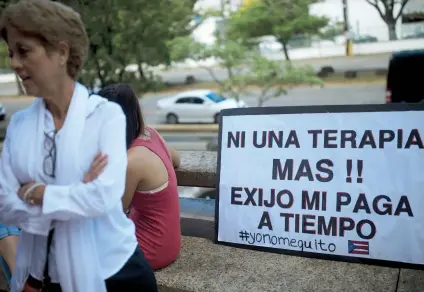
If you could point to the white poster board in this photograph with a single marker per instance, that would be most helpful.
(341, 182)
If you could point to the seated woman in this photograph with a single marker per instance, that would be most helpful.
(151, 192)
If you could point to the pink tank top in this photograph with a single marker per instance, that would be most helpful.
(157, 215)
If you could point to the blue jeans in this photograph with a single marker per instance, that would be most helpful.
(8, 230)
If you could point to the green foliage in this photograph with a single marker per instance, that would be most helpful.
(184, 47)
(128, 32)
(246, 68)
(4, 56)
(148, 33)
(283, 19)
(273, 78)
(230, 54)
(333, 30)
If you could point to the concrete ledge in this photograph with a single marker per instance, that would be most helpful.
(165, 129)
(198, 218)
(207, 267)
(222, 268)
(197, 208)
(198, 169)
(411, 281)
(186, 128)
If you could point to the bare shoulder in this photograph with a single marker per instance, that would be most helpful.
(139, 157)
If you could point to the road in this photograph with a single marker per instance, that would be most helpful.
(8, 89)
(352, 94)
(179, 75)
(339, 64)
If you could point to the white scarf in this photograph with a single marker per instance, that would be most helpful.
(77, 260)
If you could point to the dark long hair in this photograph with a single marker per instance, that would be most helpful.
(123, 95)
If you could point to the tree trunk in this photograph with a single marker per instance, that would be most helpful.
(141, 74)
(121, 75)
(21, 90)
(286, 51)
(391, 25)
(260, 102)
(142, 77)
(99, 73)
(234, 90)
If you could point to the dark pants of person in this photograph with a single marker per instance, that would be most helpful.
(135, 276)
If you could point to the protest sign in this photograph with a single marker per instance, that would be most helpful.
(339, 182)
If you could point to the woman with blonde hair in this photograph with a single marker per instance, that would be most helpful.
(74, 235)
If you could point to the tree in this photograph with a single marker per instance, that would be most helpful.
(107, 61)
(246, 4)
(387, 10)
(272, 79)
(246, 68)
(5, 66)
(332, 31)
(231, 56)
(154, 25)
(4, 56)
(185, 47)
(283, 19)
(130, 32)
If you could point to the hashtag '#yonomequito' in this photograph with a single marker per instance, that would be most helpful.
(244, 235)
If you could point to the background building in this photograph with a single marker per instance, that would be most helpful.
(364, 19)
(413, 19)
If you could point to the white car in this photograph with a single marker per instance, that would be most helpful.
(195, 106)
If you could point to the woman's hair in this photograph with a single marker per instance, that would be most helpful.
(123, 95)
(50, 22)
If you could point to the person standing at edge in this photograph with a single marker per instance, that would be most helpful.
(75, 237)
(151, 191)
